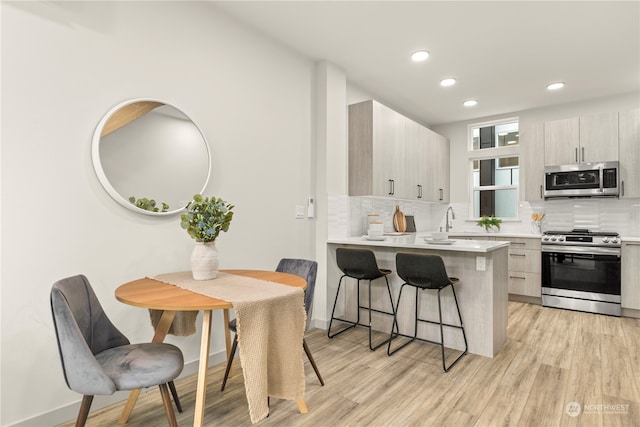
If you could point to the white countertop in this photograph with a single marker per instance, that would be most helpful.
(417, 241)
(626, 239)
(497, 235)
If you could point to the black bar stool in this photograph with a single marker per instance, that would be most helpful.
(426, 272)
(360, 264)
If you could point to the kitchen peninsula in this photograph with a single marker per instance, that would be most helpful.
(482, 292)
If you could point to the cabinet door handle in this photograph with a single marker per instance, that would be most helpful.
(518, 243)
(517, 277)
(541, 195)
(621, 188)
(392, 187)
(441, 193)
(582, 154)
(517, 255)
(419, 191)
(576, 154)
(631, 244)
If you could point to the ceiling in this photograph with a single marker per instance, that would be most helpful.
(502, 53)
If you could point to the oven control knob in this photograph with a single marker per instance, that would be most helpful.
(553, 238)
(545, 238)
(615, 240)
(560, 238)
(605, 240)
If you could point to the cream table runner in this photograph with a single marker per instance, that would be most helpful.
(270, 321)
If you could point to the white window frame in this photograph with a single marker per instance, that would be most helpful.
(488, 154)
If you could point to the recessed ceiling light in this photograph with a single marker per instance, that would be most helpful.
(470, 103)
(448, 82)
(555, 86)
(420, 55)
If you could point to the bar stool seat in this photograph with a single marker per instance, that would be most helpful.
(360, 264)
(426, 272)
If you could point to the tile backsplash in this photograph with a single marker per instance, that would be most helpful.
(348, 215)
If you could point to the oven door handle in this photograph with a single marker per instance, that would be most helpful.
(592, 250)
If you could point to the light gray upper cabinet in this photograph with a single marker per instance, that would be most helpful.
(439, 165)
(416, 147)
(599, 138)
(629, 130)
(584, 139)
(393, 156)
(561, 141)
(532, 146)
(375, 136)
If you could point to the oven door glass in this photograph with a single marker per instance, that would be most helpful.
(581, 272)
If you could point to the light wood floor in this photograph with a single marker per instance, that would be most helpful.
(551, 358)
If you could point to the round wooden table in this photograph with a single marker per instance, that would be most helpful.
(156, 295)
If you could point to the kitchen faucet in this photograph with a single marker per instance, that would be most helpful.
(453, 216)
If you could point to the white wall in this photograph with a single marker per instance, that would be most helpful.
(65, 64)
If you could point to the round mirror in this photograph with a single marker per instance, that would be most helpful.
(150, 157)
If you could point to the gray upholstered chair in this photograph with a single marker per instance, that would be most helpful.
(97, 359)
(308, 271)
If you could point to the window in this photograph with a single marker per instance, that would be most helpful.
(495, 171)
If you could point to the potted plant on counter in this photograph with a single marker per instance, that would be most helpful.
(204, 219)
(489, 223)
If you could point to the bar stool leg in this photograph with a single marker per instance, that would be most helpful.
(333, 311)
(441, 332)
(370, 345)
(395, 323)
(335, 301)
(464, 336)
(393, 308)
(358, 314)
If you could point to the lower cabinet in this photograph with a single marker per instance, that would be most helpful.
(525, 265)
(630, 275)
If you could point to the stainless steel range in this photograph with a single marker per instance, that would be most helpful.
(581, 271)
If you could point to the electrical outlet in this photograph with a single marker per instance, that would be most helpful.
(481, 263)
(299, 212)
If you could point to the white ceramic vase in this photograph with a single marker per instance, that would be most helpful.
(204, 261)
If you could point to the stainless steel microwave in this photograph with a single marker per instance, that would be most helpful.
(582, 180)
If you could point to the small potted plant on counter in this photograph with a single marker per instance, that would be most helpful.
(489, 223)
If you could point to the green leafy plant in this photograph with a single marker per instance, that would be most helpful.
(148, 205)
(206, 217)
(489, 222)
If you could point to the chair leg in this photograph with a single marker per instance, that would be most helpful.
(174, 393)
(83, 414)
(168, 406)
(333, 311)
(464, 336)
(441, 332)
(313, 362)
(230, 361)
(393, 308)
(395, 324)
